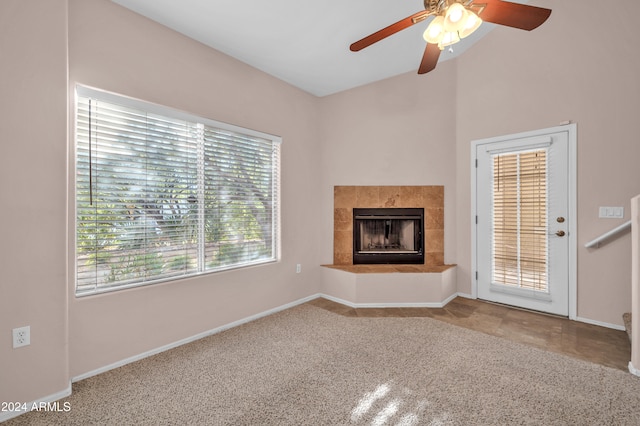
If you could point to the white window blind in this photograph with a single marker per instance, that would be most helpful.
(520, 220)
(161, 194)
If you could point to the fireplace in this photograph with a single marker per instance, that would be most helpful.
(430, 199)
(388, 236)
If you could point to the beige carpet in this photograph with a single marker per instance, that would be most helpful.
(307, 366)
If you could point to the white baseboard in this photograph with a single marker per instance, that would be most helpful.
(633, 370)
(39, 404)
(390, 305)
(337, 300)
(442, 305)
(449, 299)
(600, 323)
(192, 338)
(467, 296)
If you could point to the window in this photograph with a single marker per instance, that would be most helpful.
(161, 194)
(519, 220)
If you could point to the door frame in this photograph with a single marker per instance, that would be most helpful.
(571, 129)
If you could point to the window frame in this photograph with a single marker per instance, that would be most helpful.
(82, 91)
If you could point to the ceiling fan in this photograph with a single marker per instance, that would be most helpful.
(457, 19)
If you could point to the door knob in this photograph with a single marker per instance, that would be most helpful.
(560, 233)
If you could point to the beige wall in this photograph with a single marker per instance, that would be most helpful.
(514, 81)
(511, 81)
(114, 49)
(400, 131)
(33, 142)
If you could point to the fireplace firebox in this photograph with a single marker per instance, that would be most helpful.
(388, 236)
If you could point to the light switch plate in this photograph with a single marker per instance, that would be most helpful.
(611, 212)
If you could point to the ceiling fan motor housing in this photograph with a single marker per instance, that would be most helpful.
(437, 6)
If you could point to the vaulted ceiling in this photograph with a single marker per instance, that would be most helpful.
(305, 43)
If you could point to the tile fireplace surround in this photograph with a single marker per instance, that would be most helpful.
(430, 198)
(432, 284)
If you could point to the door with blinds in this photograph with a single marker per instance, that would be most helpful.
(522, 249)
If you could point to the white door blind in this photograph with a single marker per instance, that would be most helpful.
(520, 220)
(159, 197)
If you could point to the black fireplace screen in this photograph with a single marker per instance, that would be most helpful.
(388, 235)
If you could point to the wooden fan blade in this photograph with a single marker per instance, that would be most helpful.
(390, 30)
(429, 59)
(513, 15)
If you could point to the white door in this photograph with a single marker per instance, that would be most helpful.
(523, 220)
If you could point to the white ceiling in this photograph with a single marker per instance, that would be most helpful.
(305, 43)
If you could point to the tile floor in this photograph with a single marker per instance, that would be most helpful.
(585, 341)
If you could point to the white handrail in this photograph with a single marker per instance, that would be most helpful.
(617, 230)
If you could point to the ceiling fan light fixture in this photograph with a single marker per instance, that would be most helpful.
(435, 31)
(455, 17)
(472, 23)
(448, 38)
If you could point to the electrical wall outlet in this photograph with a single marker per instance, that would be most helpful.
(21, 336)
(298, 268)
